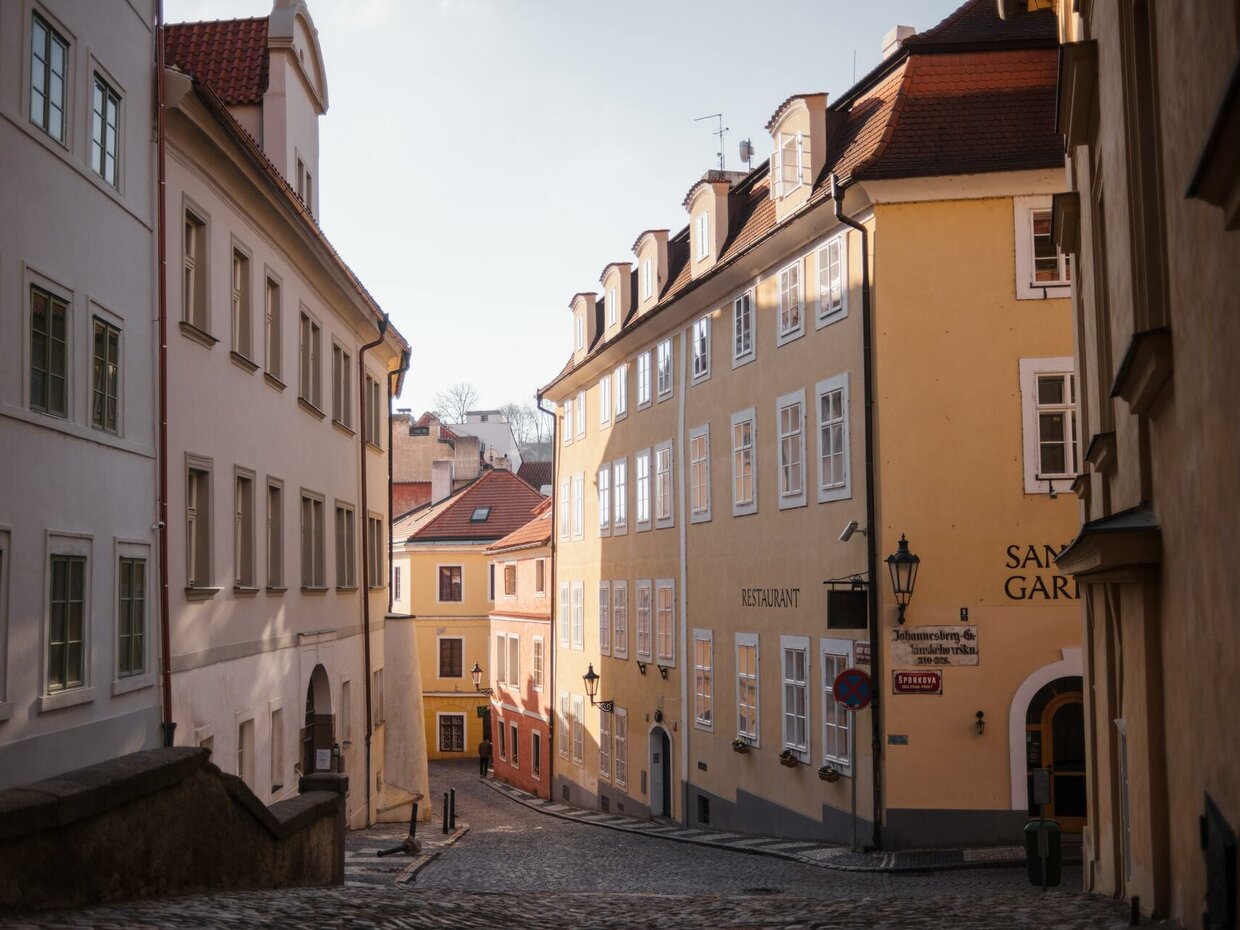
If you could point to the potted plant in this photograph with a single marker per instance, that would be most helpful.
(739, 745)
(788, 758)
(828, 773)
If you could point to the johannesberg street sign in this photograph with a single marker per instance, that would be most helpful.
(934, 645)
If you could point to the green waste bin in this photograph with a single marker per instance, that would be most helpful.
(1054, 852)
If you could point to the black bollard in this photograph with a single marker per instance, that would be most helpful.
(452, 809)
(413, 822)
(445, 812)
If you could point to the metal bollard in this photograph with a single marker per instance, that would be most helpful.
(413, 822)
(452, 809)
(445, 812)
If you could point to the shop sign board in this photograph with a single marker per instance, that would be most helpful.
(917, 681)
(934, 645)
(861, 651)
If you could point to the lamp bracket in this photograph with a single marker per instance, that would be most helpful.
(641, 667)
(607, 707)
(663, 672)
(855, 580)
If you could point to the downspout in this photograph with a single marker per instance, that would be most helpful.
(871, 527)
(554, 593)
(683, 584)
(404, 367)
(365, 585)
(165, 624)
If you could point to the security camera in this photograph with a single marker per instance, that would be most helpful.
(852, 527)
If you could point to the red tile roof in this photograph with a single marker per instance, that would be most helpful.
(536, 474)
(535, 533)
(511, 501)
(228, 55)
(977, 23)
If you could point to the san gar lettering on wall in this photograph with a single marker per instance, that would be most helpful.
(1035, 576)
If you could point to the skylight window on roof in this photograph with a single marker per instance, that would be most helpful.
(480, 515)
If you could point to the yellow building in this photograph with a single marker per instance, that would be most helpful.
(1149, 104)
(448, 588)
(713, 468)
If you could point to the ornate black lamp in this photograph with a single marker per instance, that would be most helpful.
(476, 674)
(903, 566)
(591, 680)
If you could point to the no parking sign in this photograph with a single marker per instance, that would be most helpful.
(853, 689)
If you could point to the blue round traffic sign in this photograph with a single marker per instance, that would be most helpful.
(853, 689)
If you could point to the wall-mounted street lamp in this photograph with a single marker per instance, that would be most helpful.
(591, 680)
(903, 566)
(476, 674)
(981, 722)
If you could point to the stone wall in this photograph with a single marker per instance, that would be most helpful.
(159, 822)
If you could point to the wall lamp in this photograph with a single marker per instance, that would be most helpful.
(591, 680)
(476, 674)
(663, 672)
(981, 722)
(903, 566)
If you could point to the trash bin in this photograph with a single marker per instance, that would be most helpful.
(1054, 852)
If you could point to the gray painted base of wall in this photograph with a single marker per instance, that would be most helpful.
(761, 817)
(50, 754)
(620, 803)
(908, 828)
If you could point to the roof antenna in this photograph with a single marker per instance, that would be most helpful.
(718, 132)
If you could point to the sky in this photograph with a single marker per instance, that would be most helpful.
(482, 161)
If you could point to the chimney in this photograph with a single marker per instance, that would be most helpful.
(896, 38)
(441, 480)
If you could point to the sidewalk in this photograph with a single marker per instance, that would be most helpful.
(817, 854)
(364, 866)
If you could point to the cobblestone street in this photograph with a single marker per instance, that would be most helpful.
(515, 867)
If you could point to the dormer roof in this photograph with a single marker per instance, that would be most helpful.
(611, 265)
(649, 232)
(783, 107)
(714, 176)
(572, 304)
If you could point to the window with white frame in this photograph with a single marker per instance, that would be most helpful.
(499, 660)
(701, 349)
(834, 471)
(579, 331)
(790, 322)
(562, 616)
(198, 525)
(643, 379)
(579, 714)
(790, 417)
(703, 679)
(536, 754)
(49, 353)
(562, 723)
(242, 327)
(620, 619)
(1042, 271)
(451, 657)
(515, 742)
(663, 484)
(747, 687)
(620, 724)
(604, 745)
(836, 721)
(130, 617)
(346, 547)
(664, 369)
(105, 377)
(742, 327)
(642, 463)
(275, 533)
(245, 753)
(244, 571)
(49, 78)
(620, 495)
(787, 162)
(310, 384)
(273, 324)
(1048, 402)
(514, 660)
(342, 380)
(105, 131)
(510, 579)
(665, 622)
(604, 400)
(604, 618)
(194, 307)
(565, 490)
(703, 235)
(579, 505)
(67, 622)
(620, 378)
(1050, 266)
(568, 422)
(540, 577)
(744, 481)
(699, 473)
(611, 306)
(578, 625)
(581, 414)
(647, 278)
(796, 694)
(832, 293)
(604, 499)
(539, 660)
(451, 584)
(645, 645)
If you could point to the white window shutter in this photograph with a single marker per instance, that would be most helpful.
(776, 169)
(801, 159)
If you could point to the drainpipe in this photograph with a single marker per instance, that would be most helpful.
(683, 584)
(554, 593)
(871, 527)
(165, 630)
(404, 367)
(365, 585)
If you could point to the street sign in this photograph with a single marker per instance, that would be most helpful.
(921, 681)
(322, 760)
(862, 649)
(853, 689)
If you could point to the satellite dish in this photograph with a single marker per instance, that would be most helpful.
(746, 150)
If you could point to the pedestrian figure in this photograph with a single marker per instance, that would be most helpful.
(484, 757)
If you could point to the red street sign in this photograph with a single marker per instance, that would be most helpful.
(853, 689)
(863, 652)
(922, 681)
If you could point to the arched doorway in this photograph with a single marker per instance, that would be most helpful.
(319, 731)
(660, 773)
(1055, 740)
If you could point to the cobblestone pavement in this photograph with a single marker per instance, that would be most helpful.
(517, 868)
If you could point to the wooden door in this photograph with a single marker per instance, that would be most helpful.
(1063, 752)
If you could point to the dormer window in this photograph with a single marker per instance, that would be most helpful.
(579, 332)
(480, 515)
(647, 278)
(703, 235)
(611, 306)
(787, 164)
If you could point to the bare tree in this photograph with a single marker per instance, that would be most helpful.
(452, 405)
(519, 418)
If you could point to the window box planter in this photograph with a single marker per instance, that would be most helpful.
(788, 759)
(829, 773)
(740, 746)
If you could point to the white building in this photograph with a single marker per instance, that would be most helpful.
(499, 445)
(78, 632)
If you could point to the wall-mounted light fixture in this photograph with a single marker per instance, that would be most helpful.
(663, 672)
(476, 674)
(903, 566)
(591, 679)
(981, 722)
